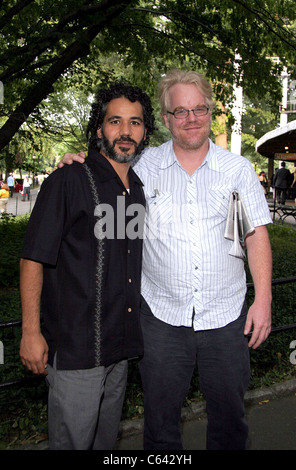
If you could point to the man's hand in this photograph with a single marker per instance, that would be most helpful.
(259, 317)
(69, 158)
(34, 353)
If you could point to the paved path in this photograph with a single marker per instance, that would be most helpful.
(272, 426)
(271, 415)
(270, 412)
(16, 206)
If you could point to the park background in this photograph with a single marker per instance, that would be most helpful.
(53, 57)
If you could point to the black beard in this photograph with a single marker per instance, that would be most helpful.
(108, 149)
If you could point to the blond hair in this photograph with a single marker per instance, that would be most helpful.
(182, 76)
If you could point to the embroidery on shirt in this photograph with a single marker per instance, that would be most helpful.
(99, 272)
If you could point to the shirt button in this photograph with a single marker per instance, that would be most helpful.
(129, 251)
(124, 193)
(129, 309)
(129, 280)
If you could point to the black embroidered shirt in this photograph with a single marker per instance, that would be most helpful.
(86, 230)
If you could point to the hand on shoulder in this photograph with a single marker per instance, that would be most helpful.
(69, 158)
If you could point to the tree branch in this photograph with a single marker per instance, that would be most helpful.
(51, 37)
(258, 15)
(14, 11)
(79, 48)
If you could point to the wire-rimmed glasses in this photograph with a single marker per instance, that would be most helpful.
(182, 113)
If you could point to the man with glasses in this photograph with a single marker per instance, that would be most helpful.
(193, 306)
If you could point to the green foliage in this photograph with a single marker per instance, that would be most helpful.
(24, 410)
(257, 120)
(283, 243)
(270, 363)
(10, 304)
(12, 232)
(38, 43)
(23, 415)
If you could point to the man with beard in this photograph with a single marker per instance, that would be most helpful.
(193, 310)
(82, 257)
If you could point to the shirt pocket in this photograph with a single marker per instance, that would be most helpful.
(218, 203)
(159, 210)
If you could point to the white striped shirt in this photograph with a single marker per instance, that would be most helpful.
(186, 264)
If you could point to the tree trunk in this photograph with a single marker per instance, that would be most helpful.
(221, 129)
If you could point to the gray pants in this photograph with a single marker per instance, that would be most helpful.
(84, 407)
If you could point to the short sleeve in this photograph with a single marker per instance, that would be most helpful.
(253, 196)
(46, 223)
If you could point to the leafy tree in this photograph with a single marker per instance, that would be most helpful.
(45, 47)
(257, 120)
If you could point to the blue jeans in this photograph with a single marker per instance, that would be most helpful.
(170, 356)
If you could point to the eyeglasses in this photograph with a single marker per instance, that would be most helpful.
(184, 113)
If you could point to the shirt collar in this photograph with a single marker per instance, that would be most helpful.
(169, 157)
(105, 170)
(211, 157)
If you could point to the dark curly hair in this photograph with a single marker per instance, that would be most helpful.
(99, 107)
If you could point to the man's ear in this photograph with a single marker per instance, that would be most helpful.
(99, 132)
(166, 120)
